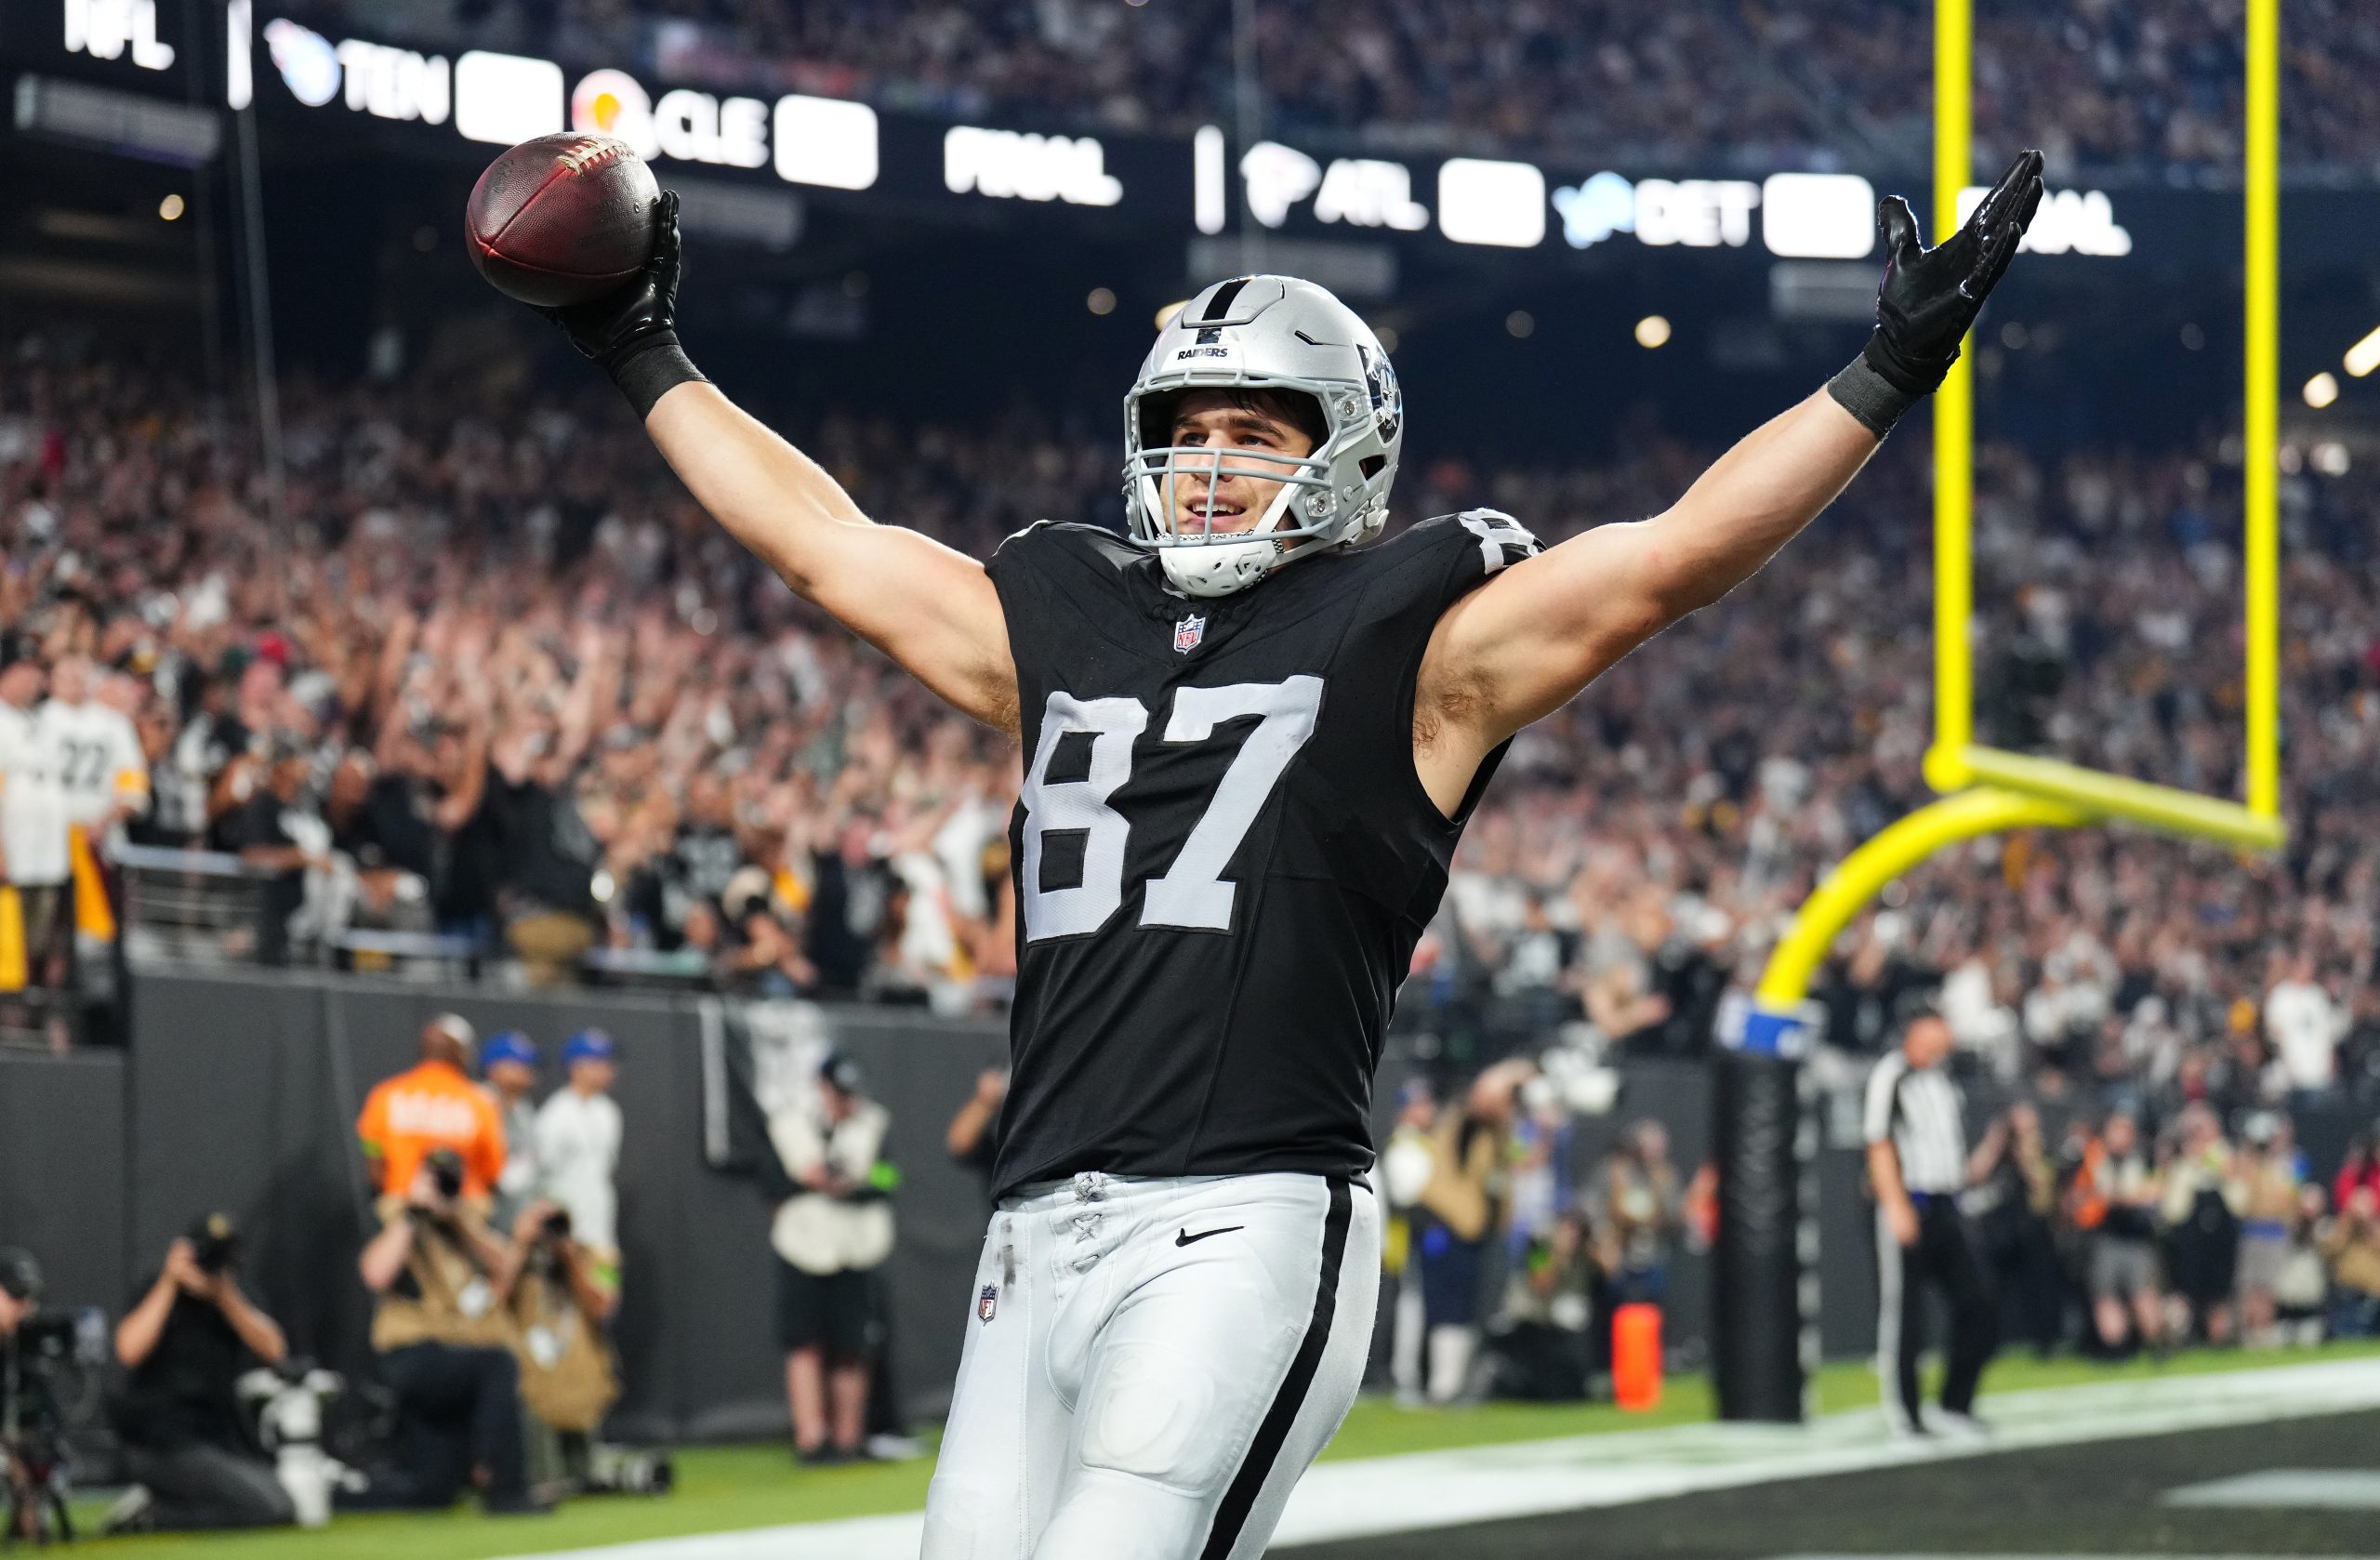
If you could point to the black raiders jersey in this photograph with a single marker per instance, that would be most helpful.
(1222, 853)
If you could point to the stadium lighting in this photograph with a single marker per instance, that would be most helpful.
(170, 208)
(2322, 390)
(2364, 356)
(1101, 301)
(1520, 325)
(1652, 331)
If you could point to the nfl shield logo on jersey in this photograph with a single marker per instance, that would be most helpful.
(1187, 634)
(987, 1303)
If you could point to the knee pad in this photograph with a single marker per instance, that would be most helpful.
(965, 1520)
(1155, 1419)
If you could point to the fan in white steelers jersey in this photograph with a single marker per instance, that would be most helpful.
(1253, 725)
(100, 766)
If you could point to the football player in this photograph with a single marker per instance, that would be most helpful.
(1252, 731)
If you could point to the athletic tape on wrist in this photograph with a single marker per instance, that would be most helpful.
(650, 369)
(1869, 397)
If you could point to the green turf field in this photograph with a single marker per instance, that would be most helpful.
(725, 1487)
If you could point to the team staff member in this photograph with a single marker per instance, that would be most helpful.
(1918, 1163)
(829, 1236)
(432, 1106)
(508, 1077)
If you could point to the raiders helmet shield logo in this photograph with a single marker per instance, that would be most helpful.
(1188, 634)
(987, 1303)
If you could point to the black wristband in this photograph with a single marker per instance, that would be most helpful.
(650, 367)
(1869, 397)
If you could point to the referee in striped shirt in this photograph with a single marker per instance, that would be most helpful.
(1918, 1163)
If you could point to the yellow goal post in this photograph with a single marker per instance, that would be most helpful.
(1987, 790)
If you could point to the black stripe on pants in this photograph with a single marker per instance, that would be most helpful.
(1262, 1452)
(1944, 1257)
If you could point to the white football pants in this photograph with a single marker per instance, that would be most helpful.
(1151, 1365)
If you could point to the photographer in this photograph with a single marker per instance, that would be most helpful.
(185, 1341)
(444, 1335)
(32, 1457)
(561, 1304)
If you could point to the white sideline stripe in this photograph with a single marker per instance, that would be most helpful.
(1422, 1490)
(2335, 1489)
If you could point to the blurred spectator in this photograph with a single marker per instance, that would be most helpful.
(443, 1332)
(2305, 1027)
(1454, 1218)
(19, 1291)
(1408, 1164)
(267, 819)
(33, 860)
(2302, 1289)
(379, 826)
(1541, 1338)
(1634, 1204)
(2016, 1206)
(829, 1236)
(2359, 1169)
(2351, 1243)
(2201, 1202)
(105, 776)
(547, 858)
(2272, 1176)
(432, 1106)
(2113, 1201)
(509, 1074)
(185, 1340)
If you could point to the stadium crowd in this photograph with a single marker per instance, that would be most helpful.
(1729, 82)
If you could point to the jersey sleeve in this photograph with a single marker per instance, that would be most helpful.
(1499, 539)
(1876, 1119)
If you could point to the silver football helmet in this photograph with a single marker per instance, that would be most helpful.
(1275, 333)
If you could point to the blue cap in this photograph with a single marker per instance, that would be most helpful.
(510, 1045)
(587, 1045)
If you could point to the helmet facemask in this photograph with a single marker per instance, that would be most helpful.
(1199, 558)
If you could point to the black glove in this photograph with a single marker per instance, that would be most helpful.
(1930, 296)
(633, 331)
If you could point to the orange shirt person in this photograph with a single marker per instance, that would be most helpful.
(434, 1105)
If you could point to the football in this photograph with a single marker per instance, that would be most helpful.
(563, 218)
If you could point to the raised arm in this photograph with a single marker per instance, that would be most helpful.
(1525, 644)
(930, 608)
